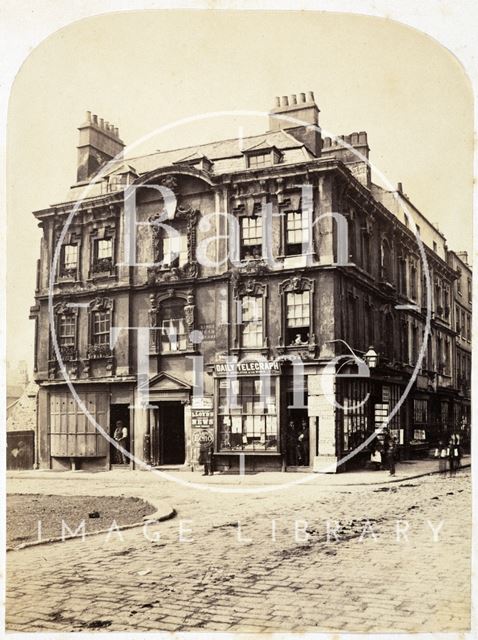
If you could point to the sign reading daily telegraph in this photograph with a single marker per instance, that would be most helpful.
(247, 368)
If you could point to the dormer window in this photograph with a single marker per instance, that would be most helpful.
(119, 178)
(198, 160)
(261, 155)
(260, 160)
(116, 183)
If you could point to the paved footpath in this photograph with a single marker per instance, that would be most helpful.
(259, 562)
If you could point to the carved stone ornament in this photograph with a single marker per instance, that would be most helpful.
(102, 265)
(158, 274)
(101, 304)
(296, 284)
(242, 286)
(189, 314)
(170, 182)
(96, 351)
(254, 266)
(63, 308)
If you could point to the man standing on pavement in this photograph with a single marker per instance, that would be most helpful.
(206, 451)
(392, 455)
(121, 437)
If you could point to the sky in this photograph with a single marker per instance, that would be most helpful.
(144, 70)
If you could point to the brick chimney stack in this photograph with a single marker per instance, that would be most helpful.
(301, 107)
(99, 142)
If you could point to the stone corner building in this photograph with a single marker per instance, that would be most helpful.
(316, 309)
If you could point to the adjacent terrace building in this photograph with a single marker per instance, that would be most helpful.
(310, 305)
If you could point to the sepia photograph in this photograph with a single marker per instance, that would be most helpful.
(238, 346)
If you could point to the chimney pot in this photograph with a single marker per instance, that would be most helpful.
(293, 99)
(108, 145)
(310, 96)
(285, 101)
(277, 101)
(302, 97)
(400, 187)
(363, 137)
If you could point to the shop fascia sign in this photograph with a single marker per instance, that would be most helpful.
(247, 368)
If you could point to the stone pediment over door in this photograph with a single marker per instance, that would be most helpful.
(164, 386)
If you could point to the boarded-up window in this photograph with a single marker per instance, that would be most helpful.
(71, 433)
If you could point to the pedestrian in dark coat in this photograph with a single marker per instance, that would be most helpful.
(303, 445)
(453, 455)
(206, 451)
(392, 455)
(291, 444)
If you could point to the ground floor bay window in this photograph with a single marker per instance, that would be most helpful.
(247, 415)
(353, 412)
(366, 407)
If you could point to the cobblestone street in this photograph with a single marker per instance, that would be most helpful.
(311, 558)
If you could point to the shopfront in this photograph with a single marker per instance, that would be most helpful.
(248, 414)
(364, 407)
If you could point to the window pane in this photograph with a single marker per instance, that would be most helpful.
(298, 310)
(173, 333)
(104, 248)
(296, 228)
(175, 249)
(70, 256)
(251, 324)
(66, 331)
(260, 160)
(101, 327)
(251, 230)
(253, 427)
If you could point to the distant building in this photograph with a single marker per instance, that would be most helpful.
(462, 300)
(21, 429)
(309, 305)
(22, 416)
(17, 380)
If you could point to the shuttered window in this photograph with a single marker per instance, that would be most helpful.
(71, 433)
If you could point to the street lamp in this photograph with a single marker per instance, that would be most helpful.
(371, 358)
